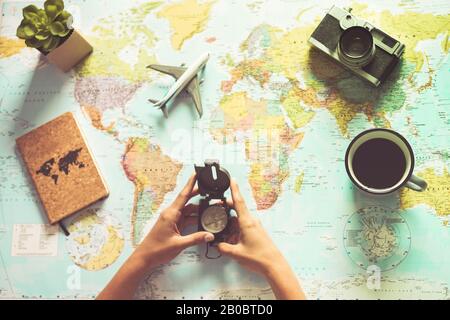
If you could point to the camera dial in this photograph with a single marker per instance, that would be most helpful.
(348, 21)
(356, 47)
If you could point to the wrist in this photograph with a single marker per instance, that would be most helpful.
(284, 282)
(142, 260)
(126, 281)
(275, 269)
(273, 262)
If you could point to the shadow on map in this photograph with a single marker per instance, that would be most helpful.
(341, 84)
(175, 108)
(39, 92)
(365, 199)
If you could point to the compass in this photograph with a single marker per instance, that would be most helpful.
(377, 235)
(213, 181)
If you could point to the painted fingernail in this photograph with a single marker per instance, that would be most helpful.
(209, 237)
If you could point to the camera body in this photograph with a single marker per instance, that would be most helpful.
(214, 213)
(357, 45)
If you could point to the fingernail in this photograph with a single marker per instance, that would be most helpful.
(209, 237)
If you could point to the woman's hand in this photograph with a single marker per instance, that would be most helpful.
(165, 242)
(255, 251)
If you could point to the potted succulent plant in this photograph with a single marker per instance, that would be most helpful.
(50, 31)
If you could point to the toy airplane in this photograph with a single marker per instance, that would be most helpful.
(186, 79)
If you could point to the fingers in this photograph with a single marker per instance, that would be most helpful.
(194, 192)
(227, 249)
(233, 239)
(196, 238)
(178, 215)
(187, 193)
(189, 209)
(189, 221)
(230, 203)
(238, 200)
(187, 216)
(234, 231)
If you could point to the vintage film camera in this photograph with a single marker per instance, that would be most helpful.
(214, 214)
(356, 44)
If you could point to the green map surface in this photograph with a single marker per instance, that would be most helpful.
(277, 114)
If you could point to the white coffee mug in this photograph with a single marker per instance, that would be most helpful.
(407, 179)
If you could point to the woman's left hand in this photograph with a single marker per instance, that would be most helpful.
(164, 242)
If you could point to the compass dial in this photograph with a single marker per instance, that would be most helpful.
(377, 236)
(214, 219)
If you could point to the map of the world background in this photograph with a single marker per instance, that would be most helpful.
(277, 114)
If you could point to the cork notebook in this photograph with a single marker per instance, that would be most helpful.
(62, 167)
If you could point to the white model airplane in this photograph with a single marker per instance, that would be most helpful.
(186, 79)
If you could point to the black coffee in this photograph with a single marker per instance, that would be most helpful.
(379, 163)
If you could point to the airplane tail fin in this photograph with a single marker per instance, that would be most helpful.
(156, 103)
(164, 111)
(161, 105)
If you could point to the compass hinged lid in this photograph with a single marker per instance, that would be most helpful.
(212, 179)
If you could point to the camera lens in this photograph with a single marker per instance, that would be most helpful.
(356, 41)
(356, 46)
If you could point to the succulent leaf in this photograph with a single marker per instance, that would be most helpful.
(58, 3)
(42, 16)
(30, 11)
(50, 43)
(34, 43)
(65, 33)
(56, 28)
(69, 22)
(26, 31)
(46, 28)
(66, 19)
(42, 35)
(64, 15)
(53, 8)
(20, 33)
(52, 11)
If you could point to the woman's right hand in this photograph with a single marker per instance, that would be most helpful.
(256, 251)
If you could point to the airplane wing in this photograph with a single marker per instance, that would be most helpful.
(175, 72)
(193, 88)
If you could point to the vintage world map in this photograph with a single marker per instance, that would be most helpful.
(278, 116)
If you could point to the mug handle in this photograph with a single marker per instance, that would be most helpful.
(417, 184)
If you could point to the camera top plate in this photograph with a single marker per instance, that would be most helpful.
(213, 181)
